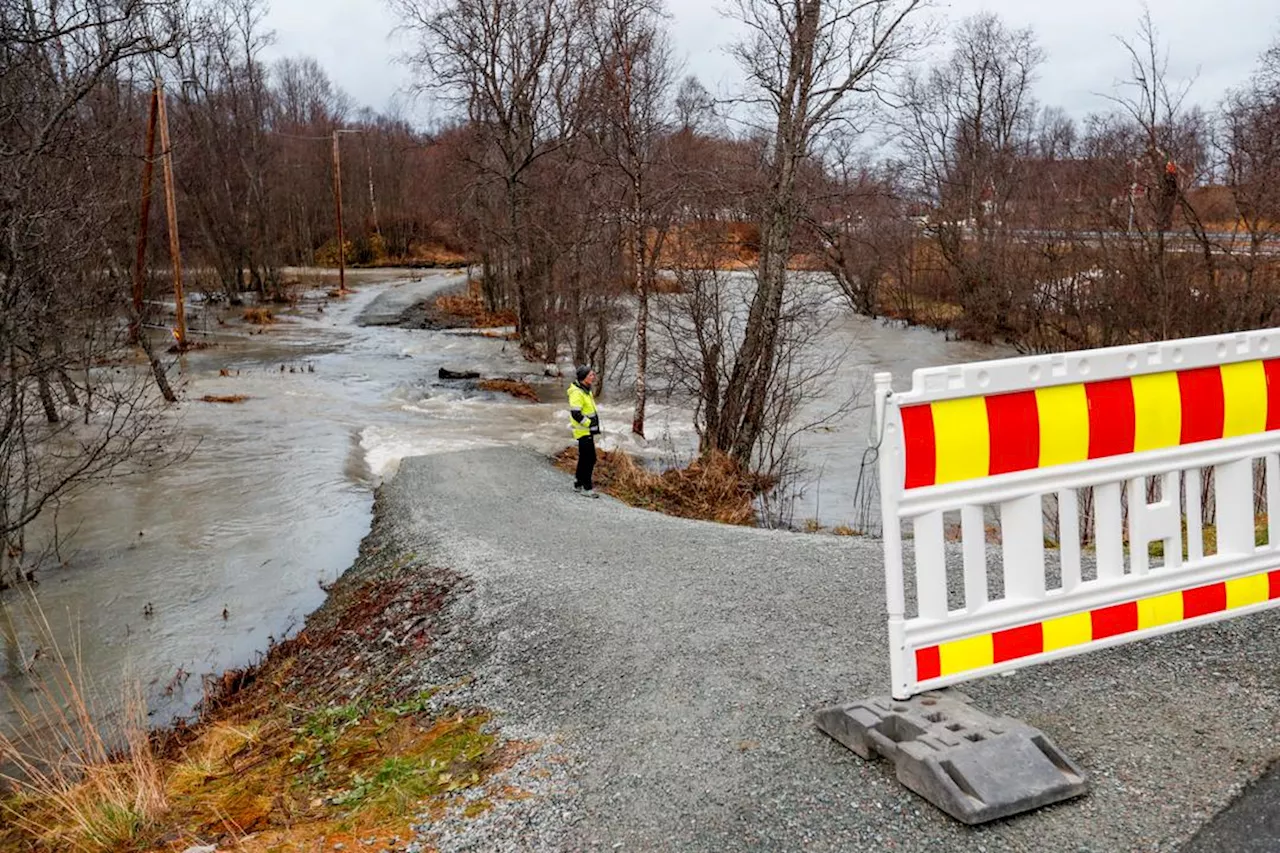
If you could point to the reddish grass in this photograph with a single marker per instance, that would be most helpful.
(437, 255)
(469, 306)
(259, 316)
(519, 390)
(714, 488)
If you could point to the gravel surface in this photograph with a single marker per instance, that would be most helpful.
(408, 303)
(662, 675)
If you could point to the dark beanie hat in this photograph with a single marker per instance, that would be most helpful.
(584, 371)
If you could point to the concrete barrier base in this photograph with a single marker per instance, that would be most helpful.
(974, 767)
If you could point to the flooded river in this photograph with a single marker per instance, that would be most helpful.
(200, 566)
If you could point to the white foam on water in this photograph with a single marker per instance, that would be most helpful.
(386, 447)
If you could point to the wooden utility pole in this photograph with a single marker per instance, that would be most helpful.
(140, 261)
(373, 201)
(337, 197)
(171, 207)
(136, 333)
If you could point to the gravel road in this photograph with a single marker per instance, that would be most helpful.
(664, 674)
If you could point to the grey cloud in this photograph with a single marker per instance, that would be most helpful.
(1218, 43)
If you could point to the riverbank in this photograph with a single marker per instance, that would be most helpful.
(352, 391)
(508, 666)
(336, 738)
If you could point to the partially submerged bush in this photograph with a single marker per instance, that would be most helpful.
(469, 306)
(259, 316)
(519, 390)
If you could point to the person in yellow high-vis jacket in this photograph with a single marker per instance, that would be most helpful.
(585, 422)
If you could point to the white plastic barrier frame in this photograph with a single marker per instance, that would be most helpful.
(1148, 413)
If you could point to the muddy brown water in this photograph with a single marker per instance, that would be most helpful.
(199, 567)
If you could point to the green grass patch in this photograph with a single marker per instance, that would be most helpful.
(336, 769)
(113, 826)
(1210, 535)
(360, 758)
(1261, 537)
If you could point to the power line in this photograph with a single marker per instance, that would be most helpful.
(324, 138)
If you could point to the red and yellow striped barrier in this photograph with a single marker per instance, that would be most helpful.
(974, 437)
(1080, 629)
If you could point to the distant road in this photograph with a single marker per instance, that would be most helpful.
(1178, 241)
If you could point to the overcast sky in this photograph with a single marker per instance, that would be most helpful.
(1216, 42)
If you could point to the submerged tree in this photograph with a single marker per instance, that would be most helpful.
(808, 64)
(513, 67)
(629, 118)
(67, 417)
(968, 130)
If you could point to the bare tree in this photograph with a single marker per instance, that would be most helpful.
(968, 131)
(513, 67)
(632, 91)
(807, 62)
(224, 154)
(864, 234)
(700, 326)
(694, 106)
(1162, 145)
(65, 97)
(306, 109)
(1250, 147)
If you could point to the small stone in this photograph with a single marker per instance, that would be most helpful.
(209, 848)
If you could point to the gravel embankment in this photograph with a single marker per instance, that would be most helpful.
(408, 303)
(665, 674)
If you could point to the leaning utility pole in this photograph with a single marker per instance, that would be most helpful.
(171, 206)
(337, 197)
(136, 333)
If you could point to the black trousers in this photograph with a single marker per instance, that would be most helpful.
(586, 461)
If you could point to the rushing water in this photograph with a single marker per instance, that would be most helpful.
(198, 567)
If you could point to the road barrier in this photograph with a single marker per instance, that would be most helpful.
(1008, 451)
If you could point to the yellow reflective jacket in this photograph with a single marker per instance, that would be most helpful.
(583, 418)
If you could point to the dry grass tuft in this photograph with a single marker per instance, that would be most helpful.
(844, 530)
(469, 306)
(259, 316)
(714, 488)
(78, 785)
(436, 254)
(519, 390)
(224, 398)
